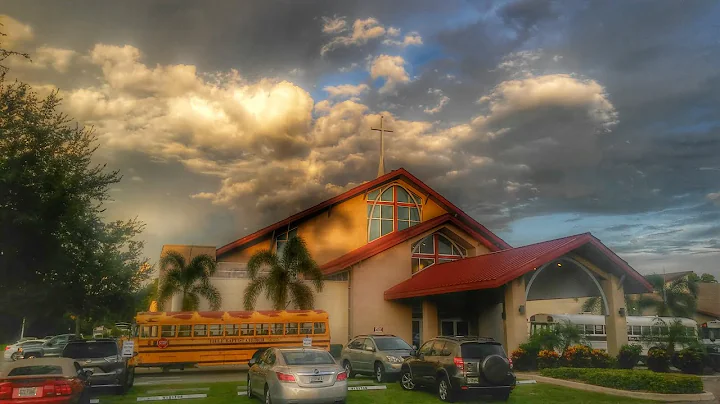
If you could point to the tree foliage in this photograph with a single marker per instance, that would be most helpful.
(283, 277)
(704, 278)
(57, 254)
(191, 280)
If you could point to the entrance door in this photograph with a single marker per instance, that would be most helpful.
(416, 332)
(454, 327)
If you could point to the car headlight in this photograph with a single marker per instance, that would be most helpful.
(393, 359)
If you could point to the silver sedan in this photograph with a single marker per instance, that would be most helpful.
(297, 375)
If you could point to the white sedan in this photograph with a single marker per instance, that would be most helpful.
(14, 352)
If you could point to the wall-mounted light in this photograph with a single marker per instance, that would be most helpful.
(521, 309)
(621, 312)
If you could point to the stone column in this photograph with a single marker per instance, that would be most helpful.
(615, 324)
(430, 320)
(515, 323)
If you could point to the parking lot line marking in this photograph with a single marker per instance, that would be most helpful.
(173, 397)
(374, 387)
(94, 401)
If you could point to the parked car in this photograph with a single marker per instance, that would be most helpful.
(50, 348)
(101, 358)
(379, 355)
(297, 375)
(460, 365)
(44, 380)
(15, 351)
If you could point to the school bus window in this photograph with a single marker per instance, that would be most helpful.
(291, 329)
(145, 331)
(247, 329)
(232, 330)
(154, 331)
(167, 331)
(306, 328)
(319, 328)
(263, 329)
(276, 329)
(184, 330)
(216, 330)
(200, 330)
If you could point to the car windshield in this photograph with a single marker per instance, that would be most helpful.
(391, 344)
(479, 350)
(307, 358)
(90, 350)
(36, 370)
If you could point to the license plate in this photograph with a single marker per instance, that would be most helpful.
(27, 392)
(473, 380)
(316, 379)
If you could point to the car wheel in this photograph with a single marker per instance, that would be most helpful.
(348, 369)
(444, 390)
(15, 356)
(130, 378)
(268, 399)
(32, 356)
(379, 373)
(406, 380)
(85, 397)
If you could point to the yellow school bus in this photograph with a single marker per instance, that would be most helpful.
(211, 338)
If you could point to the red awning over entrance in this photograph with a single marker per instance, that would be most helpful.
(496, 269)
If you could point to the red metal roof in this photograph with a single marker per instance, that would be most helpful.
(393, 239)
(496, 242)
(497, 268)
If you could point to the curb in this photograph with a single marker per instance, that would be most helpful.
(669, 398)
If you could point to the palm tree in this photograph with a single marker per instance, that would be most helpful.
(191, 280)
(282, 277)
(677, 299)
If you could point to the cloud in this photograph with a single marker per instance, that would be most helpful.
(362, 32)
(412, 38)
(334, 25)
(714, 197)
(442, 101)
(392, 69)
(346, 90)
(15, 32)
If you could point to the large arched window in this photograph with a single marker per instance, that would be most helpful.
(390, 209)
(435, 249)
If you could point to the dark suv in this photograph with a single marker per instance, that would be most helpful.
(458, 365)
(102, 358)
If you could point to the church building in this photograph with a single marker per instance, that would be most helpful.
(397, 255)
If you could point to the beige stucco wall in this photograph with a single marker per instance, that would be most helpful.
(332, 299)
(555, 306)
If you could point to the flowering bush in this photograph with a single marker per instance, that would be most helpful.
(601, 359)
(690, 360)
(658, 360)
(548, 359)
(577, 356)
(629, 356)
(523, 360)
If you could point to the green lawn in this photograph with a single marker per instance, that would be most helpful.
(226, 393)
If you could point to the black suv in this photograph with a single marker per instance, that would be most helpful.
(459, 365)
(101, 357)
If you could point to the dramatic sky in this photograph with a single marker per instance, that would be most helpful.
(538, 118)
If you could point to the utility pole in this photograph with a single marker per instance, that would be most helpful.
(381, 167)
(22, 330)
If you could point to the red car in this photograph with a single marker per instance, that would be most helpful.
(44, 381)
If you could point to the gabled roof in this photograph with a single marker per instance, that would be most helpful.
(393, 239)
(496, 242)
(498, 268)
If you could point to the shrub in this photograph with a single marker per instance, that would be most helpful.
(635, 380)
(690, 360)
(658, 360)
(577, 356)
(629, 356)
(600, 359)
(548, 359)
(524, 360)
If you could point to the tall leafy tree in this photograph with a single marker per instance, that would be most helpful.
(190, 280)
(704, 278)
(283, 277)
